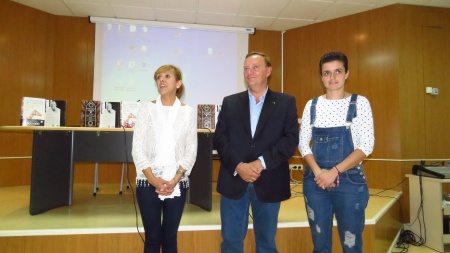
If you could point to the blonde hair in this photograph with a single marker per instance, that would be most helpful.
(177, 74)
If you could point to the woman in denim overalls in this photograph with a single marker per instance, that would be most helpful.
(339, 127)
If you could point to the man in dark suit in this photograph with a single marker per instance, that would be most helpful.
(255, 136)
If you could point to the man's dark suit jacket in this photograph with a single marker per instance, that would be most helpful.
(276, 139)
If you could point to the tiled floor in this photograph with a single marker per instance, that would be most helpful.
(109, 211)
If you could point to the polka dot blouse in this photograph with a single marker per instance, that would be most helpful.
(332, 113)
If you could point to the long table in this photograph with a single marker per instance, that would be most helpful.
(56, 149)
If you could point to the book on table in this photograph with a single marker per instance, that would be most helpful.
(55, 113)
(109, 114)
(90, 113)
(32, 111)
(128, 113)
(206, 118)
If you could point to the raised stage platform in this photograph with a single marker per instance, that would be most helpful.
(109, 222)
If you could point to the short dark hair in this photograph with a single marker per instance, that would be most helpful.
(263, 55)
(333, 56)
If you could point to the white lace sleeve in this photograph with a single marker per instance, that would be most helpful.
(142, 152)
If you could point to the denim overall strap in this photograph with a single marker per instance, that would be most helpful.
(312, 113)
(351, 113)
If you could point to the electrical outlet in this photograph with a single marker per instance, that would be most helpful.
(296, 166)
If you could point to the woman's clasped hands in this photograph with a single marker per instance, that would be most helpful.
(326, 179)
(164, 187)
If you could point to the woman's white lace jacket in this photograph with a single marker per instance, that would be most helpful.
(144, 144)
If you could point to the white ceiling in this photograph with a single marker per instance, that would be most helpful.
(277, 15)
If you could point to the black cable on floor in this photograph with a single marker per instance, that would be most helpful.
(407, 237)
(131, 187)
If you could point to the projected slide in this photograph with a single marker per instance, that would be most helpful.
(128, 55)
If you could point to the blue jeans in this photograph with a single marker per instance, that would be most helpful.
(160, 234)
(347, 202)
(234, 217)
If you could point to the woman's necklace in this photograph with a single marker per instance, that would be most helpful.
(345, 94)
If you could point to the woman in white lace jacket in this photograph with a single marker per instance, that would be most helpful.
(164, 152)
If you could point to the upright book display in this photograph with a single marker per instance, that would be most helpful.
(207, 116)
(109, 114)
(32, 111)
(90, 113)
(55, 113)
(128, 113)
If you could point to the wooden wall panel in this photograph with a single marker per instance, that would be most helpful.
(74, 43)
(24, 64)
(437, 107)
(422, 55)
(378, 72)
(14, 172)
(208, 241)
(73, 243)
(300, 81)
(411, 100)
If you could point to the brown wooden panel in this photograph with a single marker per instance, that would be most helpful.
(24, 54)
(412, 92)
(378, 72)
(14, 172)
(288, 240)
(74, 43)
(73, 243)
(301, 73)
(16, 143)
(436, 61)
